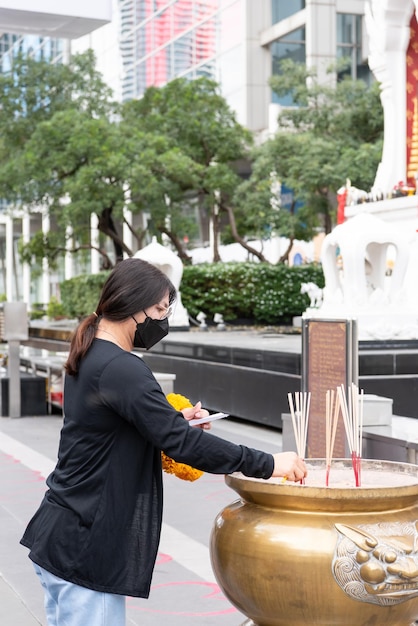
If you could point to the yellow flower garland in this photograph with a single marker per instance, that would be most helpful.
(181, 470)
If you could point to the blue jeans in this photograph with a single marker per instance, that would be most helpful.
(67, 604)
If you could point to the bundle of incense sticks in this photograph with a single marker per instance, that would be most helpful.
(332, 412)
(352, 411)
(299, 410)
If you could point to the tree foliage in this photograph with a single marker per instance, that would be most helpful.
(195, 118)
(69, 148)
(333, 132)
(56, 137)
(65, 145)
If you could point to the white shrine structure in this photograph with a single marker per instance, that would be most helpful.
(370, 260)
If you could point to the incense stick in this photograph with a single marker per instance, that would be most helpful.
(299, 410)
(332, 412)
(352, 411)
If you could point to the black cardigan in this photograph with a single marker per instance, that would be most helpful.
(100, 520)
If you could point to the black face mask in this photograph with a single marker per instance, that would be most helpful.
(149, 332)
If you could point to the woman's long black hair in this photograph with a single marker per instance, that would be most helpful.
(132, 286)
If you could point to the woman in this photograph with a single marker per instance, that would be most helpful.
(95, 536)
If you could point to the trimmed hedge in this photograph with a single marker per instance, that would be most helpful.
(251, 293)
(248, 292)
(80, 295)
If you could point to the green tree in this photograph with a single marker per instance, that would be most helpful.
(98, 168)
(76, 152)
(56, 130)
(63, 147)
(35, 89)
(194, 117)
(333, 132)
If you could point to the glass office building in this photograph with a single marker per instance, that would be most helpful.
(162, 40)
(170, 40)
(42, 48)
(238, 43)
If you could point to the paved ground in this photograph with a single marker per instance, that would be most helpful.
(184, 590)
(258, 338)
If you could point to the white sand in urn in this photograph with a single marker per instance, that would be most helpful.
(343, 478)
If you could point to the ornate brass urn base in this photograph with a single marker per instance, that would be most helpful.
(293, 555)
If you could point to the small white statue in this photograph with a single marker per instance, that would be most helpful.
(314, 292)
(201, 318)
(219, 321)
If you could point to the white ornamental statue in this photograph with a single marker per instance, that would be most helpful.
(361, 284)
(170, 264)
(387, 23)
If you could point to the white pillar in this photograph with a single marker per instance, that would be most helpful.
(26, 273)
(127, 235)
(9, 258)
(69, 256)
(167, 222)
(45, 265)
(94, 238)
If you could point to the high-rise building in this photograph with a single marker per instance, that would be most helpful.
(238, 43)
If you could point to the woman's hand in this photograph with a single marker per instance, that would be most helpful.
(289, 465)
(196, 412)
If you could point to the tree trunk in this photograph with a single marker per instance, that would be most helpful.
(328, 223)
(238, 238)
(138, 236)
(215, 234)
(327, 207)
(177, 244)
(285, 255)
(107, 227)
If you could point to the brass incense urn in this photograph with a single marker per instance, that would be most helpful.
(287, 554)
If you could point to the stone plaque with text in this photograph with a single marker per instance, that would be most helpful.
(329, 359)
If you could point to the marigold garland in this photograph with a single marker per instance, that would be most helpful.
(181, 470)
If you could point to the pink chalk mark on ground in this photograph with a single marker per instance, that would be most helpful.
(163, 558)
